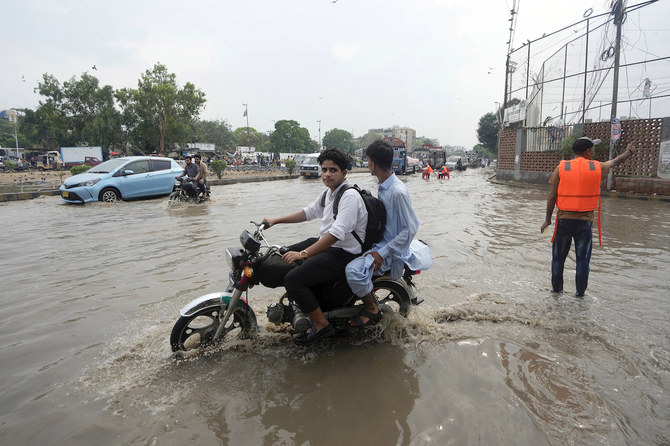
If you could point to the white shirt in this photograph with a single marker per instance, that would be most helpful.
(351, 216)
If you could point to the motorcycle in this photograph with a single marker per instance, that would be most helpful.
(186, 190)
(221, 317)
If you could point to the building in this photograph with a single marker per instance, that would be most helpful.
(406, 134)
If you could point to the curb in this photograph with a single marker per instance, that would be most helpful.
(214, 182)
(613, 194)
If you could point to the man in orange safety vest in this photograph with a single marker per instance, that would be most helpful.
(576, 191)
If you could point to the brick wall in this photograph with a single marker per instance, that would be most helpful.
(506, 149)
(637, 174)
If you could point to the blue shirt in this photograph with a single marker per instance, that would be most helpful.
(401, 226)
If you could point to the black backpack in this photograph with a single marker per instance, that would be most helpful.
(374, 231)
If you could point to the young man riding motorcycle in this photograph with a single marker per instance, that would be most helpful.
(324, 258)
(202, 176)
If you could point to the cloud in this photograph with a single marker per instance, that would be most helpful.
(344, 51)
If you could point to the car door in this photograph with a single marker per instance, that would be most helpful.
(139, 183)
(163, 176)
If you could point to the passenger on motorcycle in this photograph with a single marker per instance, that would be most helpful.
(397, 248)
(202, 176)
(324, 258)
(191, 170)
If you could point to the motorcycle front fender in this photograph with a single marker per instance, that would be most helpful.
(219, 299)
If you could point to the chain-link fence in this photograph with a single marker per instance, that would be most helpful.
(567, 76)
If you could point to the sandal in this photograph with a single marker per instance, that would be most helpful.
(312, 335)
(373, 318)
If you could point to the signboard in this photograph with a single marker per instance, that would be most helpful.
(515, 113)
(616, 129)
(664, 160)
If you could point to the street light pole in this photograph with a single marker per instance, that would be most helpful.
(319, 121)
(246, 114)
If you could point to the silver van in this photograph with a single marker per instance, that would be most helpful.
(310, 168)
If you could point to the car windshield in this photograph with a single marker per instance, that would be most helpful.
(107, 166)
(311, 160)
(453, 159)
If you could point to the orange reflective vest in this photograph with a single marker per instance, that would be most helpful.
(579, 185)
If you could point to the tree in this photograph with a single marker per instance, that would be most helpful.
(78, 112)
(215, 132)
(289, 137)
(487, 132)
(158, 113)
(218, 166)
(367, 139)
(255, 138)
(340, 139)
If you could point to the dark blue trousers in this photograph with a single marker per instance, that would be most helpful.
(581, 232)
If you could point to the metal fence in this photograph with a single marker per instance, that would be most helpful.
(547, 138)
(569, 74)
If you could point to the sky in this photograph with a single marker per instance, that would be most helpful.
(436, 66)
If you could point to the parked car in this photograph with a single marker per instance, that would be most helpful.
(310, 166)
(121, 179)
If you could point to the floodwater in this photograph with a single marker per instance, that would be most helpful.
(90, 294)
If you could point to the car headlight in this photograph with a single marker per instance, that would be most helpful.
(88, 183)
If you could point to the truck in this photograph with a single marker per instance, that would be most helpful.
(74, 156)
(401, 164)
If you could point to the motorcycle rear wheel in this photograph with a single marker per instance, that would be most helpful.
(393, 295)
(196, 331)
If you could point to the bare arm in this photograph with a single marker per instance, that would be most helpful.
(551, 200)
(322, 244)
(297, 217)
(611, 164)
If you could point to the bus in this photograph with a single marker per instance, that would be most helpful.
(401, 165)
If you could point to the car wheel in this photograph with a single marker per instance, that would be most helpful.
(109, 195)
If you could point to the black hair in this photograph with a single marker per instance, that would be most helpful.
(381, 153)
(336, 156)
(197, 155)
(188, 157)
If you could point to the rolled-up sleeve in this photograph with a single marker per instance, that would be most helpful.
(314, 210)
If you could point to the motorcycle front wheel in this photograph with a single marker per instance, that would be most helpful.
(197, 331)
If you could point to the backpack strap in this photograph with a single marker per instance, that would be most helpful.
(336, 203)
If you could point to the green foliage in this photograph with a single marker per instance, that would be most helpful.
(218, 166)
(78, 112)
(253, 139)
(158, 113)
(9, 165)
(487, 132)
(288, 136)
(367, 139)
(290, 166)
(484, 152)
(216, 132)
(340, 139)
(565, 150)
(74, 170)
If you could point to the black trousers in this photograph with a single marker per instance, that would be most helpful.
(323, 267)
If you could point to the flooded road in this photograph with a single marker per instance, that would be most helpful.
(90, 294)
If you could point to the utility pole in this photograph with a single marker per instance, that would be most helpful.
(618, 12)
(319, 121)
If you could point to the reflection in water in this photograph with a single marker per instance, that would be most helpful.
(90, 294)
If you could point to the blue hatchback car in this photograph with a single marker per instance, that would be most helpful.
(121, 179)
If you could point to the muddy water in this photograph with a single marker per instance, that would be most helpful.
(90, 293)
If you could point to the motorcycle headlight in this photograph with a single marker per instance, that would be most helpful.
(234, 258)
(88, 183)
